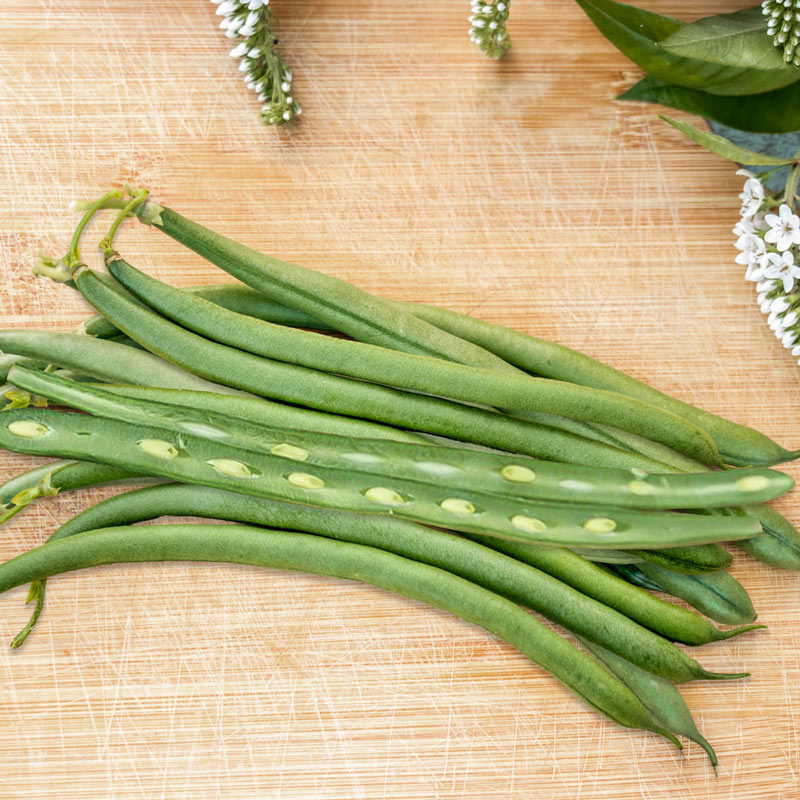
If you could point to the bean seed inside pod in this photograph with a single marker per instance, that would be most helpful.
(158, 448)
(753, 483)
(230, 468)
(457, 505)
(599, 525)
(305, 481)
(384, 496)
(286, 450)
(528, 524)
(518, 474)
(28, 429)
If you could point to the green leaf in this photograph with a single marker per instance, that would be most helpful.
(770, 112)
(721, 146)
(785, 145)
(737, 40)
(636, 33)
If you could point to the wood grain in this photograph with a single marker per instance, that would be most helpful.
(517, 191)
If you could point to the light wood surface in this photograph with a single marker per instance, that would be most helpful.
(517, 191)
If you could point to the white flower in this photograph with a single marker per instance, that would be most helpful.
(779, 305)
(788, 339)
(743, 227)
(790, 319)
(239, 50)
(752, 196)
(753, 248)
(784, 228)
(796, 350)
(781, 266)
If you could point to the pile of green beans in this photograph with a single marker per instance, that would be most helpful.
(458, 463)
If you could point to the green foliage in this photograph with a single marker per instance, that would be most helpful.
(736, 40)
(723, 67)
(639, 33)
(723, 147)
(770, 112)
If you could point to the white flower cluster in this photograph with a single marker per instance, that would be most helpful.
(783, 25)
(488, 29)
(769, 246)
(266, 73)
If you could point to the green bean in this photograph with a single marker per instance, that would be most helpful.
(332, 393)
(105, 360)
(670, 621)
(244, 300)
(779, 546)
(51, 479)
(701, 558)
(696, 560)
(241, 544)
(7, 361)
(414, 372)
(454, 468)
(191, 459)
(331, 355)
(343, 306)
(441, 417)
(233, 296)
(779, 543)
(260, 411)
(658, 695)
(370, 319)
(717, 595)
(738, 444)
(488, 568)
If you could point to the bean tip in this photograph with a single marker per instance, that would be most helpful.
(737, 631)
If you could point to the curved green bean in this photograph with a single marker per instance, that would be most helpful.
(191, 459)
(53, 478)
(696, 560)
(456, 468)
(488, 568)
(234, 296)
(108, 361)
(671, 621)
(340, 304)
(738, 444)
(241, 544)
(308, 387)
(779, 545)
(658, 695)
(718, 595)
(379, 365)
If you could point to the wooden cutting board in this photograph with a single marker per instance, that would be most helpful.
(517, 191)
